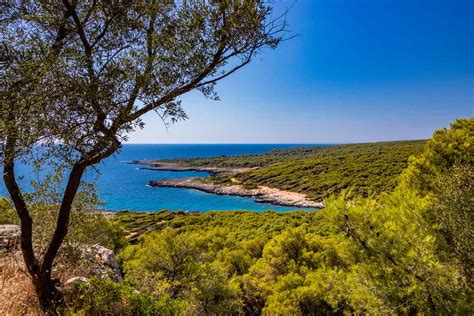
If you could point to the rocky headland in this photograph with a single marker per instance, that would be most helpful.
(262, 194)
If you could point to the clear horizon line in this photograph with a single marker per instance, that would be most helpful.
(271, 143)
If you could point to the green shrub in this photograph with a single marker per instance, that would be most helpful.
(105, 297)
(453, 213)
(447, 148)
(7, 213)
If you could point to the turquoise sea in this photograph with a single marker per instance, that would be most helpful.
(123, 186)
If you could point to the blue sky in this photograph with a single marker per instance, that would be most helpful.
(359, 70)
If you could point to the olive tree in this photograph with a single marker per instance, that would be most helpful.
(77, 76)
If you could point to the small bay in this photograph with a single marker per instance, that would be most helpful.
(123, 186)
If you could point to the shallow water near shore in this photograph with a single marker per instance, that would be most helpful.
(123, 186)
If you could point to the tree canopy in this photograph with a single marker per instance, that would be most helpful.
(78, 75)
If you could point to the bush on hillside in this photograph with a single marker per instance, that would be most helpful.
(105, 297)
(382, 255)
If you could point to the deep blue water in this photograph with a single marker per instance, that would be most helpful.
(123, 186)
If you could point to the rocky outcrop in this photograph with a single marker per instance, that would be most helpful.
(9, 237)
(75, 279)
(92, 260)
(100, 261)
(261, 194)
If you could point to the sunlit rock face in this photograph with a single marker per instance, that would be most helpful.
(9, 237)
(101, 261)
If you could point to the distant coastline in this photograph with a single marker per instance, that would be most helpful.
(171, 166)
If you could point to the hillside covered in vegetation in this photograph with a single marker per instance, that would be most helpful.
(319, 171)
(405, 251)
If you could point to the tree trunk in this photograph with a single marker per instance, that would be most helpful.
(46, 288)
(48, 294)
(26, 241)
(63, 219)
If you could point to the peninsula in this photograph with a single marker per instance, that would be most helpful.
(300, 177)
(262, 194)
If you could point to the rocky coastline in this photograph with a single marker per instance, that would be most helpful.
(261, 194)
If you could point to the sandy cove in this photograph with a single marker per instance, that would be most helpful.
(262, 194)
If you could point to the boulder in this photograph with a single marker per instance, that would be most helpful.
(101, 261)
(9, 237)
(75, 279)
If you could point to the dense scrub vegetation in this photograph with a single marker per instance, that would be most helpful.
(320, 171)
(365, 169)
(252, 160)
(408, 251)
(265, 224)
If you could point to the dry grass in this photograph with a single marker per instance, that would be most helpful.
(17, 295)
